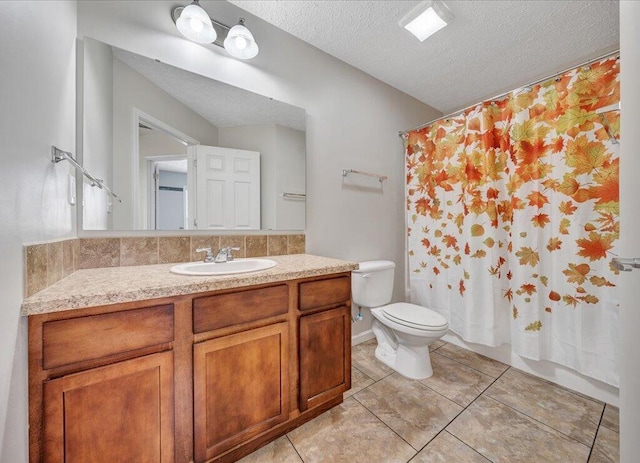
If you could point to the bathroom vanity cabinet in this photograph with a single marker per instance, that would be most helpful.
(201, 377)
(325, 340)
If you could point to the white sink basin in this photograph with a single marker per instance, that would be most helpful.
(223, 268)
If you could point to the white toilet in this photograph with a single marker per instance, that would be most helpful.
(403, 331)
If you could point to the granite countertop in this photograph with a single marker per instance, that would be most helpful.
(101, 286)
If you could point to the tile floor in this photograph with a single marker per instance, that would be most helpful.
(473, 409)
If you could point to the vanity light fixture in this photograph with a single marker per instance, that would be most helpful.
(240, 42)
(426, 19)
(194, 23)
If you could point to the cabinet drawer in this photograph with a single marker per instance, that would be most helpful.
(322, 293)
(88, 338)
(214, 312)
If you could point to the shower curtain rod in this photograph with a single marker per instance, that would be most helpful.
(404, 133)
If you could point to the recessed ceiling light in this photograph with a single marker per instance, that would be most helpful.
(426, 19)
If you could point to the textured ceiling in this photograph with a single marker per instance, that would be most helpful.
(489, 48)
(221, 104)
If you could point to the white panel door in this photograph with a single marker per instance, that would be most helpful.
(227, 188)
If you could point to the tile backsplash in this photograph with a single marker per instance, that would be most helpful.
(48, 263)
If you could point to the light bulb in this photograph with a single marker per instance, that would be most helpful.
(196, 25)
(241, 43)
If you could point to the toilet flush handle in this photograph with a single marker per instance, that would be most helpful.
(366, 275)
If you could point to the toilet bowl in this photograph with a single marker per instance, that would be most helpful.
(403, 331)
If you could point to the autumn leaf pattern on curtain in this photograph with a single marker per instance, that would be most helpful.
(513, 218)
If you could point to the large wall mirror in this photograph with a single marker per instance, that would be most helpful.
(183, 151)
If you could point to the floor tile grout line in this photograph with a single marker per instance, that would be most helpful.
(367, 387)
(551, 383)
(438, 347)
(493, 380)
(479, 394)
(469, 366)
(545, 380)
(356, 367)
(389, 427)
(294, 448)
(439, 393)
(467, 445)
(484, 392)
(460, 413)
(463, 410)
(538, 421)
(604, 425)
(597, 431)
(444, 396)
(376, 380)
(474, 368)
(386, 425)
(450, 421)
(561, 387)
(609, 428)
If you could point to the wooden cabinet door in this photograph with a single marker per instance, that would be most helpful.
(119, 413)
(325, 356)
(241, 388)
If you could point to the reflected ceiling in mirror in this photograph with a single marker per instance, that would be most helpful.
(185, 151)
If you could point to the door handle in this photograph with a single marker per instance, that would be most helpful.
(625, 264)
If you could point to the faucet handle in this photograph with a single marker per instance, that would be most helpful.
(209, 257)
(229, 254)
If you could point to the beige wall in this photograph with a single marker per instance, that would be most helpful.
(38, 110)
(352, 120)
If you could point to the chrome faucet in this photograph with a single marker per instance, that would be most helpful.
(209, 257)
(225, 255)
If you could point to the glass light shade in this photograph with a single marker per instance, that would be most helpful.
(426, 19)
(240, 42)
(194, 23)
(428, 23)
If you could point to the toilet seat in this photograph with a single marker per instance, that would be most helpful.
(414, 316)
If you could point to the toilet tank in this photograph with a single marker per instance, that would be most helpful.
(372, 283)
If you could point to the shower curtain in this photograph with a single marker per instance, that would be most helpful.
(513, 217)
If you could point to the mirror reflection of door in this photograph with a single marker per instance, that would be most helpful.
(224, 182)
(227, 193)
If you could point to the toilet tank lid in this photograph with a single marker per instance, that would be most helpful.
(374, 265)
